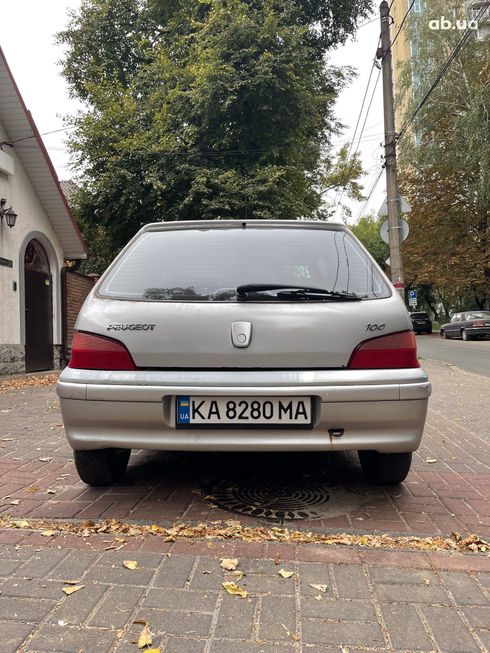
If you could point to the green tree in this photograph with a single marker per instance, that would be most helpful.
(204, 109)
(445, 161)
(367, 230)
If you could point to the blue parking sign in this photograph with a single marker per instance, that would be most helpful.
(412, 294)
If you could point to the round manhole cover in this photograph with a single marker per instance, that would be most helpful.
(283, 502)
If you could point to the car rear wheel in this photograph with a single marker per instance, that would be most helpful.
(465, 335)
(385, 468)
(101, 466)
(443, 334)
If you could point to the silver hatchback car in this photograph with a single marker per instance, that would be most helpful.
(244, 336)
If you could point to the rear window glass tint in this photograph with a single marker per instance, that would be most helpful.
(478, 315)
(209, 264)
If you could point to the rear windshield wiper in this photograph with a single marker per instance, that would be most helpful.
(296, 292)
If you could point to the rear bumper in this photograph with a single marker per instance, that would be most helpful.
(419, 328)
(483, 332)
(383, 410)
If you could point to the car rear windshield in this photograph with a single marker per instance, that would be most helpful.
(419, 316)
(209, 264)
(478, 315)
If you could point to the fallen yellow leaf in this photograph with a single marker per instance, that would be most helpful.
(319, 588)
(145, 639)
(130, 564)
(48, 533)
(72, 589)
(235, 590)
(21, 523)
(238, 575)
(285, 574)
(230, 564)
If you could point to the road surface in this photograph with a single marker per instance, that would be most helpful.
(472, 356)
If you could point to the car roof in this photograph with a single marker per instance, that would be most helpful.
(238, 224)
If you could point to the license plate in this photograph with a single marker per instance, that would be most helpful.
(291, 412)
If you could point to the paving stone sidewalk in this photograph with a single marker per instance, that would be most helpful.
(379, 601)
(375, 600)
(447, 490)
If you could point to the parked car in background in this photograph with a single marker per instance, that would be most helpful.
(421, 322)
(468, 325)
(244, 336)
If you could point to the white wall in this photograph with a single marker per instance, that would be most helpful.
(32, 222)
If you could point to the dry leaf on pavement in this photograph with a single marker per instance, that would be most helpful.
(48, 533)
(72, 589)
(431, 460)
(235, 590)
(285, 574)
(230, 564)
(130, 564)
(319, 588)
(145, 639)
(294, 636)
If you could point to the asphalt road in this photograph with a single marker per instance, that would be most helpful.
(472, 356)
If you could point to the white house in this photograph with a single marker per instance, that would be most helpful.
(34, 250)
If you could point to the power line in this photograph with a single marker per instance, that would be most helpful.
(402, 23)
(351, 166)
(373, 188)
(54, 131)
(457, 49)
(368, 22)
(359, 140)
(344, 186)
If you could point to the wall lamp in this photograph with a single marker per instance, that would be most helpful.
(10, 216)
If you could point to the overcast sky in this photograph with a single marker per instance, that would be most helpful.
(27, 39)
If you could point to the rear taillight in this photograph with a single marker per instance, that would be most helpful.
(93, 352)
(394, 351)
(478, 324)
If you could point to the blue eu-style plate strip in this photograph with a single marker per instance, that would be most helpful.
(183, 410)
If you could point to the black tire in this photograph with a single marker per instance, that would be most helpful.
(465, 335)
(101, 466)
(443, 334)
(385, 468)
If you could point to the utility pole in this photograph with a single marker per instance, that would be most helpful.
(392, 192)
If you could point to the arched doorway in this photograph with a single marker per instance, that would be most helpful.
(38, 308)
